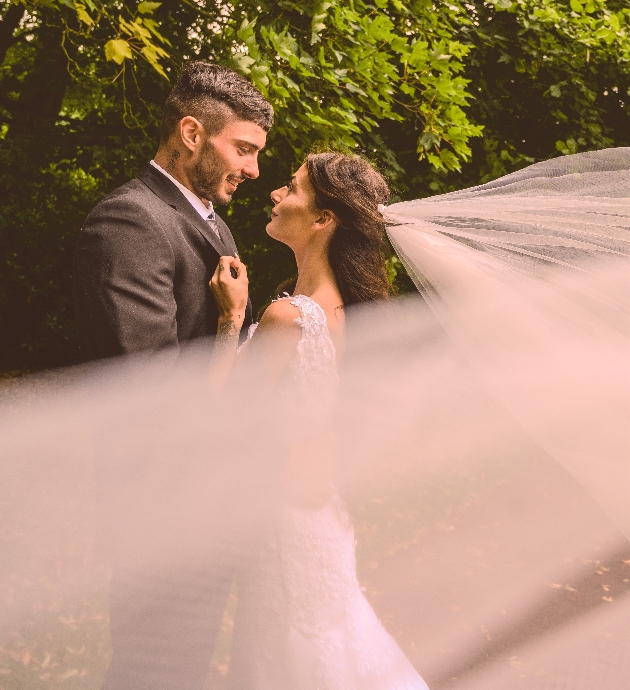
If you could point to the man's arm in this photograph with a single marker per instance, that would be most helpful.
(124, 271)
(229, 286)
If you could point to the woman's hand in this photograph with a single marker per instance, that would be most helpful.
(230, 292)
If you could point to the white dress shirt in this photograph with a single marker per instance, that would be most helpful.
(204, 211)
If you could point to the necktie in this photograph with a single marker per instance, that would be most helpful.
(212, 222)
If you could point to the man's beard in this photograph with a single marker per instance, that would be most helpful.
(206, 176)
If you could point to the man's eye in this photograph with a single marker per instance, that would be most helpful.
(289, 186)
(244, 150)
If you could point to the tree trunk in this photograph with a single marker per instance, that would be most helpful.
(10, 22)
(36, 110)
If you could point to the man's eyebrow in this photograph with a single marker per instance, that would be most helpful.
(242, 142)
(294, 180)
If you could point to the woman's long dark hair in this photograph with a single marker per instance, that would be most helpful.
(351, 188)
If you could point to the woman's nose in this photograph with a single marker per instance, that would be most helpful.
(276, 195)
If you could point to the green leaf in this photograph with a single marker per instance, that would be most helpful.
(381, 28)
(288, 81)
(555, 91)
(152, 55)
(246, 30)
(148, 7)
(83, 15)
(259, 74)
(419, 54)
(318, 120)
(428, 140)
(242, 62)
(614, 22)
(321, 57)
(355, 89)
(435, 161)
(568, 147)
(330, 78)
(562, 147)
(153, 27)
(318, 23)
(449, 159)
(576, 6)
(285, 45)
(117, 50)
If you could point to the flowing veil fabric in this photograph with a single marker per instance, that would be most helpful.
(480, 445)
(529, 275)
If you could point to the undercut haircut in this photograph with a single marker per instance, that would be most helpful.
(215, 96)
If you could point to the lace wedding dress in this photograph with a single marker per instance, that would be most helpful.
(302, 621)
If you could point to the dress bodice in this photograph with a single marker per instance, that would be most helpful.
(314, 365)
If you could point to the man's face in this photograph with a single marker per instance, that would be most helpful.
(225, 160)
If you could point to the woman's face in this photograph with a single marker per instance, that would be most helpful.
(294, 216)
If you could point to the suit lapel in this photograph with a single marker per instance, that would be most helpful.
(162, 187)
(226, 236)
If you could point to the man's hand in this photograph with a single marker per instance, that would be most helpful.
(230, 292)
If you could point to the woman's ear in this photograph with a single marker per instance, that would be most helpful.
(326, 220)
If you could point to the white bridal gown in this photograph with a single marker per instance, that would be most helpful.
(302, 621)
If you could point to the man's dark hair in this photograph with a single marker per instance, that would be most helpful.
(214, 95)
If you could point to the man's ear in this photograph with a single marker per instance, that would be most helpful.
(190, 130)
(327, 220)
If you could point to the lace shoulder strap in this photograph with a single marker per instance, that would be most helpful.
(316, 351)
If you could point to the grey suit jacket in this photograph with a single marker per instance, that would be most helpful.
(142, 268)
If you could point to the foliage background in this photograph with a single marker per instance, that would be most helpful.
(441, 95)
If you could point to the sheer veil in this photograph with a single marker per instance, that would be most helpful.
(480, 444)
(529, 275)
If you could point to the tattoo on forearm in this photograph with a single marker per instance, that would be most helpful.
(171, 164)
(227, 335)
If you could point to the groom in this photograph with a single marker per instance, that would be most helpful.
(148, 250)
(145, 257)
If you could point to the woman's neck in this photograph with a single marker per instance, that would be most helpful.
(314, 272)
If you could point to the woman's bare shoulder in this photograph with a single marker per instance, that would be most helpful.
(280, 314)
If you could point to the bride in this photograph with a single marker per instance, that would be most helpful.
(302, 620)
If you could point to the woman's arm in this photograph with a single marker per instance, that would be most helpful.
(305, 479)
(272, 348)
(230, 293)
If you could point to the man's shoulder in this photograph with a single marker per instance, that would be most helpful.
(132, 207)
(133, 186)
(132, 195)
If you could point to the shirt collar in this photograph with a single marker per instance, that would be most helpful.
(204, 211)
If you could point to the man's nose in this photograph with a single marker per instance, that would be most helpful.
(250, 170)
